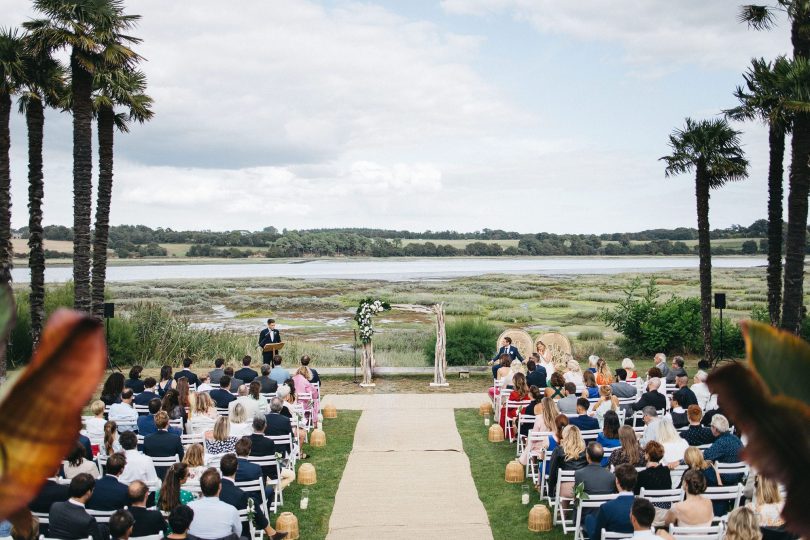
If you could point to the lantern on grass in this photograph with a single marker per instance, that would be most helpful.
(495, 433)
(514, 472)
(306, 474)
(485, 409)
(288, 523)
(329, 411)
(539, 518)
(317, 438)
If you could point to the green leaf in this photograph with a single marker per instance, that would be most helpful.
(780, 358)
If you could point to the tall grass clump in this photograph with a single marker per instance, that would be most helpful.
(591, 335)
(467, 339)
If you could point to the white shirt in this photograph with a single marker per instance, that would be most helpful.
(674, 451)
(204, 387)
(702, 394)
(139, 467)
(124, 415)
(95, 428)
(574, 377)
(244, 429)
(645, 535)
(214, 519)
(650, 433)
(252, 406)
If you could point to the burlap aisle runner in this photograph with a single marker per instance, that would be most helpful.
(407, 475)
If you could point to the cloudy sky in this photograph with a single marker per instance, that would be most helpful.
(528, 115)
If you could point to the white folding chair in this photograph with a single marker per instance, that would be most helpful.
(212, 460)
(593, 501)
(271, 461)
(523, 420)
(244, 517)
(101, 462)
(222, 411)
(286, 440)
(606, 535)
(177, 423)
(676, 474)
(151, 537)
(666, 496)
(141, 409)
(725, 493)
(590, 434)
(194, 438)
(535, 437)
(516, 406)
(564, 506)
(164, 462)
(543, 467)
(102, 516)
(255, 486)
(733, 469)
(714, 532)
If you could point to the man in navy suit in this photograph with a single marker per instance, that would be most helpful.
(109, 493)
(246, 374)
(278, 424)
(230, 494)
(52, 492)
(69, 519)
(148, 393)
(187, 373)
(222, 396)
(508, 348)
(268, 335)
(162, 443)
(146, 423)
(614, 516)
(583, 421)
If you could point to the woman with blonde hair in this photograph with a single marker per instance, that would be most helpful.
(603, 374)
(742, 524)
(630, 368)
(543, 422)
(694, 460)
(545, 359)
(574, 373)
(219, 440)
(695, 510)
(241, 425)
(194, 459)
(767, 504)
(674, 445)
(606, 402)
(204, 414)
(569, 455)
(303, 386)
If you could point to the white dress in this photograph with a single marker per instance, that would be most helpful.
(574, 377)
(674, 451)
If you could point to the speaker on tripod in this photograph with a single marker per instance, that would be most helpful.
(720, 303)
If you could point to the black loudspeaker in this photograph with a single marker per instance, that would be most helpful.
(720, 300)
(109, 310)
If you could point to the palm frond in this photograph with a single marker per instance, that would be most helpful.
(758, 17)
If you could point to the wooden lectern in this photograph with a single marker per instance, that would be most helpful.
(273, 348)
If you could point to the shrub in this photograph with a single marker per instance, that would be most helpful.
(591, 335)
(467, 339)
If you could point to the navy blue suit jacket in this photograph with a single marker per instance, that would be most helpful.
(613, 516)
(188, 374)
(247, 471)
(230, 494)
(584, 422)
(512, 351)
(278, 424)
(221, 397)
(145, 397)
(538, 377)
(109, 494)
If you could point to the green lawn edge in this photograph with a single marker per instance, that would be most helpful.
(329, 462)
(508, 518)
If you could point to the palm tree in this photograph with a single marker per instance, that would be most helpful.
(123, 87)
(762, 17)
(43, 86)
(92, 29)
(764, 99)
(712, 149)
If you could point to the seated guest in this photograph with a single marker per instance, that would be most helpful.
(219, 440)
(569, 455)
(179, 521)
(109, 493)
(95, 425)
(609, 438)
(171, 404)
(51, 492)
(88, 447)
(536, 375)
(246, 374)
(278, 373)
(268, 385)
(701, 390)
(652, 397)
(642, 516)
(171, 493)
(146, 423)
(235, 382)
(110, 444)
(303, 386)
(592, 360)
(315, 378)
(556, 388)
(113, 386)
(621, 388)
(630, 451)
(568, 404)
(134, 382)
(69, 520)
(222, 396)
(684, 394)
(218, 371)
(725, 448)
(614, 516)
(607, 402)
(147, 522)
(676, 370)
(656, 475)
(693, 458)
(25, 526)
(78, 463)
(237, 498)
(630, 368)
(742, 524)
(695, 510)
(532, 409)
(120, 525)
(695, 434)
(162, 443)
(240, 423)
(767, 503)
(139, 467)
(195, 461)
(212, 517)
(187, 373)
(670, 439)
(651, 422)
(148, 393)
(583, 421)
(660, 363)
(597, 479)
(123, 413)
(205, 384)
(204, 414)
(501, 368)
(603, 375)
(520, 393)
(278, 424)
(591, 388)
(573, 373)
(677, 414)
(246, 471)
(543, 358)
(166, 381)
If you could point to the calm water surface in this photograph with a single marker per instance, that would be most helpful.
(399, 269)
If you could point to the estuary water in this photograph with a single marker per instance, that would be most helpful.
(397, 269)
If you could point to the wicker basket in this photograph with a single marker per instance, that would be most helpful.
(495, 433)
(520, 339)
(539, 518)
(514, 472)
(329, 411)
(317, 438)
(288, 523)
(485, 409)
(306, 474)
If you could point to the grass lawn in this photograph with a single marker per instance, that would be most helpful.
(329, 463)
(508, 518)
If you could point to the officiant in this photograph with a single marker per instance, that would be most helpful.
(267, 336)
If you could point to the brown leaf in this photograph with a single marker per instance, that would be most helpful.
(40, 417)
(778, 433)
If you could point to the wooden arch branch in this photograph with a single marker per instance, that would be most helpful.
(440, 356)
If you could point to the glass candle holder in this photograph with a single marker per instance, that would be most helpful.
(486, 420)
(524, 494)
(304, 499)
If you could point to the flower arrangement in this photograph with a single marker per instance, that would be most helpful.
(365, 311)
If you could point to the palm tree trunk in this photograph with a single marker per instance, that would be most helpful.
(5, 210)
(776, 141)
(799, 182)
(705, 254)
(35, 120)
(81, 85)
(102, 230)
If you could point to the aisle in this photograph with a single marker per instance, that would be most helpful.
(407, 475)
